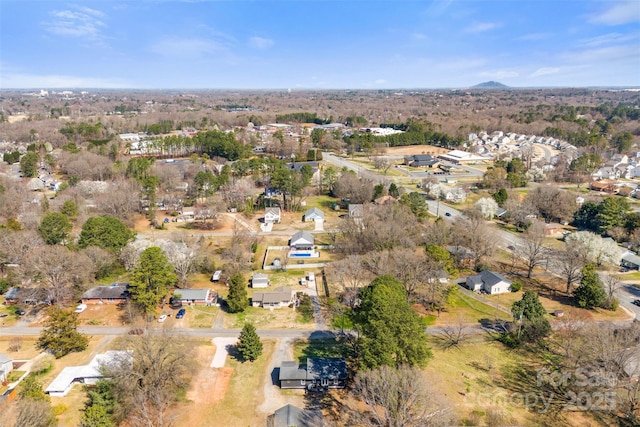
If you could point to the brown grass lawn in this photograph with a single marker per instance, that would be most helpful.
(243, 395)
(477, 377)
(27, 350)
(266, 319)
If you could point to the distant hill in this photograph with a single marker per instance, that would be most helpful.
(490, 85)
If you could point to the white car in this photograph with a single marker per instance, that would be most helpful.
(162, 318)
(81, 308)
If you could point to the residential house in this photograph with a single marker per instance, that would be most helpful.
(272, 215)
(302, 241)
(320, 373)
(489, 282)
(553, 230)
(6, 366)
(313, 214)
(259, 280)
(116, 293)
(290, 415)
(33, 296)
(462, 255)
(461, 157)
(630, 260)
(194, 296)
(281, 297)
(605, 185)
(86, 374)
(315, 167)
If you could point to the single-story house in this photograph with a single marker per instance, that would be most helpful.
(86, 374)
(489, 282)
(259, 280)
(290, 415)
(321, 372)
(279, 298)
(272, 215)
(116, 293)
(302, 240)
(630, 260)
(33, 296)
(313, 214)
(193, 296)
(553, 230)
(463, 256)
(6, 366)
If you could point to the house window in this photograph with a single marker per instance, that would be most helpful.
(336, 381)
(303, 382)
(324, 382)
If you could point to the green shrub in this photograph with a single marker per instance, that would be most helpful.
(516, 286)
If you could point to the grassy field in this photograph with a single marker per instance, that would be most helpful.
(201, 317)
(302, 349)
(243, 395)
(461, 307)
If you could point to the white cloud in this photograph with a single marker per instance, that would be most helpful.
(186, 47)
(605, 39)
(499, 74)
(28, 81)
(83, 22)
(622, 12)
(545, 71)
(481, 27)
(260, 42)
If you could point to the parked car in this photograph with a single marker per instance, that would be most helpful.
(81, 308)
(637, 302)
(136, 331)
(162, 318)
(181, 313)
(447, 214)
(21, 312)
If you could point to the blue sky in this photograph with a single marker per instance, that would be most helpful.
(359, 44)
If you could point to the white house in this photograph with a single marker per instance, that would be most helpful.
(489, 282)
(313, 214)
(86, 374)
(272, 215)
(279, 298)
(6, 366)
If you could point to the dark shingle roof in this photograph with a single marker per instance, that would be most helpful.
(115, 291)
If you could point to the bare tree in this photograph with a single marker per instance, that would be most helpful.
(350, 275)
(382, 163)
(147, 379)
(532, 247)
(34, 413)
(611, 285)
(570, 262)
(61, 272)
(472, 231)
(349, 186)
(399, 397)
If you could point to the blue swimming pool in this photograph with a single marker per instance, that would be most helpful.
(302, 255)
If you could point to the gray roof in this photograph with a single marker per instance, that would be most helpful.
(302, 237)
(281, 294)
(272, 210)
(290, 415)
(260, 277)
(289, 370)
(313, 213)
(355, 210)
(631, 258)
(114, 291)
(490, 278)
(325, 367)
(192, 294)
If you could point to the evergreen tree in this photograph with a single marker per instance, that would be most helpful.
(237, 299)
(151, 279)
(391, 333)
(105, 232)
(591, 292)
(60, 335)
(249, 345)
(394, 191)
(31, 388)
(54, 228)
